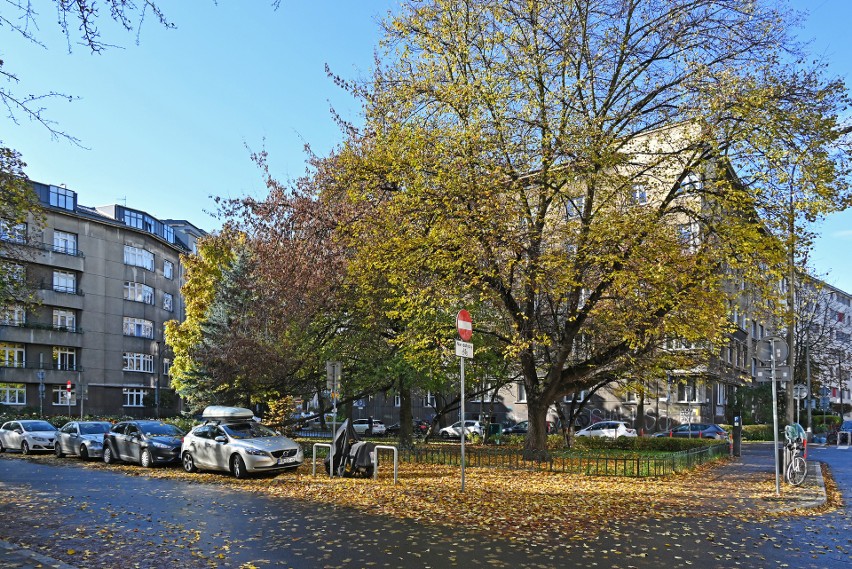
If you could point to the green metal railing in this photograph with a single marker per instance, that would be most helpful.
(584, 463)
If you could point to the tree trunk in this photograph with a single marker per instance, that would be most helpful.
(535, 447)
(405, 418)
(639, 421)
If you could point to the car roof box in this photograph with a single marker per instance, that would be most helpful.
(223, 413)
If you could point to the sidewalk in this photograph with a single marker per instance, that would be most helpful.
(757, 460)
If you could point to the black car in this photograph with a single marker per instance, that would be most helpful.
(517, 429)
(145, 442)
(696, 431)
(418, 428)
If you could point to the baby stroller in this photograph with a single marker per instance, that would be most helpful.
(352, 457)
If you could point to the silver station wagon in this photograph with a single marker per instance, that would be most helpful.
(231, 440)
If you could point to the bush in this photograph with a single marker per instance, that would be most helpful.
(641, 444)
(757, 433)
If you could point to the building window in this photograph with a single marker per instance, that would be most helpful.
(12, 355)
(522, 392)
(640, 194)
(138, 327)
(133, 219)
(138, 257)
(133, 397)
(65, 320)
(687, 392)
(61, 395)
(721, 394)
(16, 233)
(15, 273)
(567, 399)
(13, 316)
(13, 394)
(138, 362)
(168, 301)
(429, 400)
(574, 207)
(64, 282)
(65, 242)
(397, 400)
(60, 197)
(167, 367)
(168, 269)
(138, 292)
(64, 358)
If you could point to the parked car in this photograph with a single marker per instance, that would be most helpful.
(517, 429)
(27, 436)
(418, 428)
(610, 429)
(454, 431)
(145, 442)
(696, 431)
(845, 427)
(81, 438)
(361, 426)
(230, 441)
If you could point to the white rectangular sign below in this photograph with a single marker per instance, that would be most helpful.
(464, 349)
(764, 374)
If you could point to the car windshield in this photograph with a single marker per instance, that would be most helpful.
(38, 426)
(248, 430)
(160, 430)
(94, 428)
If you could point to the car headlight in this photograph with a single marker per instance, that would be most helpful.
(160, 445)
(255, 452)
(96, 444)
(40, 439)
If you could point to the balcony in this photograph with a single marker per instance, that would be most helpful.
(30, 374)
(59, 298)
(45, 335)
(59, 257)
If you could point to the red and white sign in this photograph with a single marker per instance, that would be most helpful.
(464, 324)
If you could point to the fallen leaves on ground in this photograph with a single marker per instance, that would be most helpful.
(517, 504)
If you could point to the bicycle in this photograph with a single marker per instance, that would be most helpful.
(797, 468)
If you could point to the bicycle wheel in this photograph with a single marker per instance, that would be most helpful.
(797, 470)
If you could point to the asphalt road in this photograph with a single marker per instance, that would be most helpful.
(98, 518)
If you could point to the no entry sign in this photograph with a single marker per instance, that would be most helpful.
(464, 324)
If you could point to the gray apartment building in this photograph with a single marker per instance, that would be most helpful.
(106, 279)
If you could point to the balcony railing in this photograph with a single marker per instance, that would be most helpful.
(40, 326)
(44, 367)
(48, 247)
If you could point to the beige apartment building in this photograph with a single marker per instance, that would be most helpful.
(106, 279)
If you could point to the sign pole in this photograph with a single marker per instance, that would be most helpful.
(463, 427)
(464, 326)
(775, 419)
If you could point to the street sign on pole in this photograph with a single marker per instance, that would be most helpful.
(464, 325)
(800, 391)
(464, 349)
(766, 346)
(764, 374)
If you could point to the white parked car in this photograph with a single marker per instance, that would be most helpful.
(610, 429)
(454, 430)
(361, 426)
(27, 436)
(231, 440)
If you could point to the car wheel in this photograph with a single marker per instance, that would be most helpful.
(84, 452)
(25, 447)
(57, 450)
(445, 435)
(109, 458)
(146, 460)
(2, 448)
(238, 467)
(188, 463)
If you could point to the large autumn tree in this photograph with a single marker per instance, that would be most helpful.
(573, 166)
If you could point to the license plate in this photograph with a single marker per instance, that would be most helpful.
(286, 460)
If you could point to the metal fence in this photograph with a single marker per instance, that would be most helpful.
(585, 463)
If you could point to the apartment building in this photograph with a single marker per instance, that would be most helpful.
(105, 279)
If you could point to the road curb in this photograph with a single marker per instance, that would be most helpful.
(16, 557)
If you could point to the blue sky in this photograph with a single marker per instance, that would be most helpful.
(170, 122)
